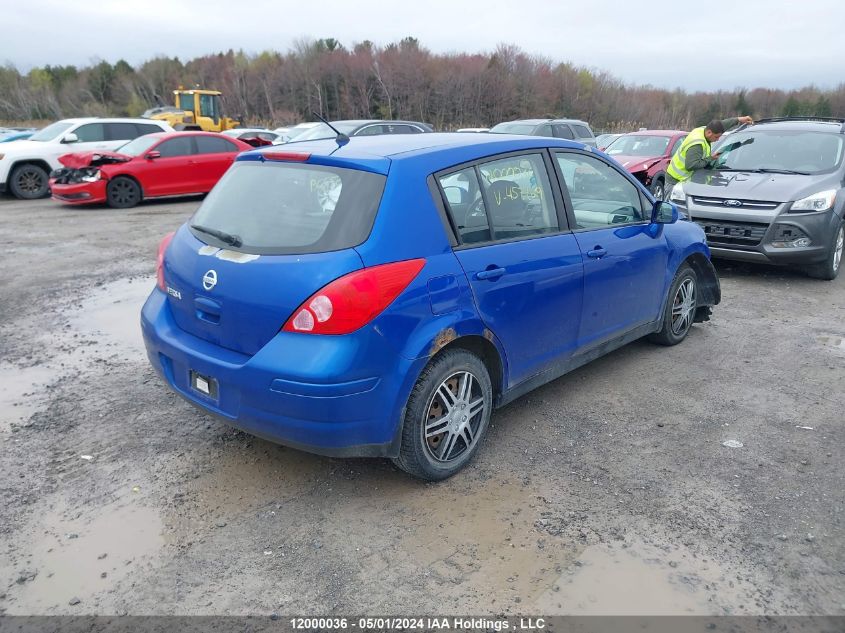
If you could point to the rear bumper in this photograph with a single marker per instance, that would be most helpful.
(79, 193)
(355, 411)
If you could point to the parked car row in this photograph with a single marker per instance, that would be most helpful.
(154, 165)
(8, 134)
(761, 203)
(25, 165)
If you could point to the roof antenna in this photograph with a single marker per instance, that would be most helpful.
(341, 138)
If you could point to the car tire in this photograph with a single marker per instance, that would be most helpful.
(829, 270)
(441, 432)
(29, 182)
(658, 188)
(123, 193)
(679, 313)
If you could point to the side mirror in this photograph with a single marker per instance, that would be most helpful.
(152, 155)
(70, 137)
(664, 213)
(456, 195)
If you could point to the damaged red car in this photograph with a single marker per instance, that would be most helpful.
(151, 166)
(646, 154)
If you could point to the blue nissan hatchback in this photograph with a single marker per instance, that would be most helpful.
(381, 296)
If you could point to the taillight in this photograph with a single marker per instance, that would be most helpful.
(350, 302)
(162, 247)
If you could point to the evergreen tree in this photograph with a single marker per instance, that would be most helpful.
(741, 107)
(823, 107)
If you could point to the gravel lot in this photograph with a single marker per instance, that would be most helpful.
(607, 491)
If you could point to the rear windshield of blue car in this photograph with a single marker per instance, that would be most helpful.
(278, 208)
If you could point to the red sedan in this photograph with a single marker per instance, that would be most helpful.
(646, 154)
(151, 166)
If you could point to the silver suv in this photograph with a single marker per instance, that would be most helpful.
(775, 195)
(570, 129)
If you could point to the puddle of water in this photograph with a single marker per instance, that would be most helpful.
(112, 315)
(109, 316)
(643, 580)
(834, 342)
(477, 536)
(239, 482)
(71, 566)
(21, 392)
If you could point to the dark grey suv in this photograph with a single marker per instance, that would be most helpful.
(775, 195)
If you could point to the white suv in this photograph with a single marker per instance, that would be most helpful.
(25, 165)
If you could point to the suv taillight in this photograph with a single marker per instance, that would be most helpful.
(350, 302)
(162, 247)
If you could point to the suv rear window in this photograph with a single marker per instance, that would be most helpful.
(280, 208)
(582, 131)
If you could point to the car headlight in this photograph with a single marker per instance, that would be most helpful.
(678, 196)
(821, 201)
(92, 176)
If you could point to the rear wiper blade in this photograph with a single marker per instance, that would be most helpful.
(228, 238)
(772, 170)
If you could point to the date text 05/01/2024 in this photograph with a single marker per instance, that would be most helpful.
(421, 623)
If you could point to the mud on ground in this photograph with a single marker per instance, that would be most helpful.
(607, 491)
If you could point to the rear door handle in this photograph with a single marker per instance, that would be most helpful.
(490, 273)
(597, 253)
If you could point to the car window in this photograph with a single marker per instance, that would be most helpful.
(638, 145)
(370, 130)
(403, 129)
(544, 130)
(214, 145)
(562, 131)
(286, 208)
(121, 131)
(582, 131)
(518, 197)
(513, 128)
(600, 195)
(90, 133)
(186, 101)
(146, 128)
(790, 150)
(207, 106)
(180, 146)
(677, 145)
(466, 206)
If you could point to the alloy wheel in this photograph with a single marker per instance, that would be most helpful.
(683, 307)
(837, 250)
(453, 416)
(30, 181)
(123, 192)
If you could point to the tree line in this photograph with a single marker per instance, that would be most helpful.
(402, 80)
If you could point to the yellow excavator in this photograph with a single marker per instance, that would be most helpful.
(195, 109)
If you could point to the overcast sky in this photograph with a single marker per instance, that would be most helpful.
(692, 45)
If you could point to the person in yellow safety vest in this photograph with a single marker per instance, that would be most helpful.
(695, 152)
